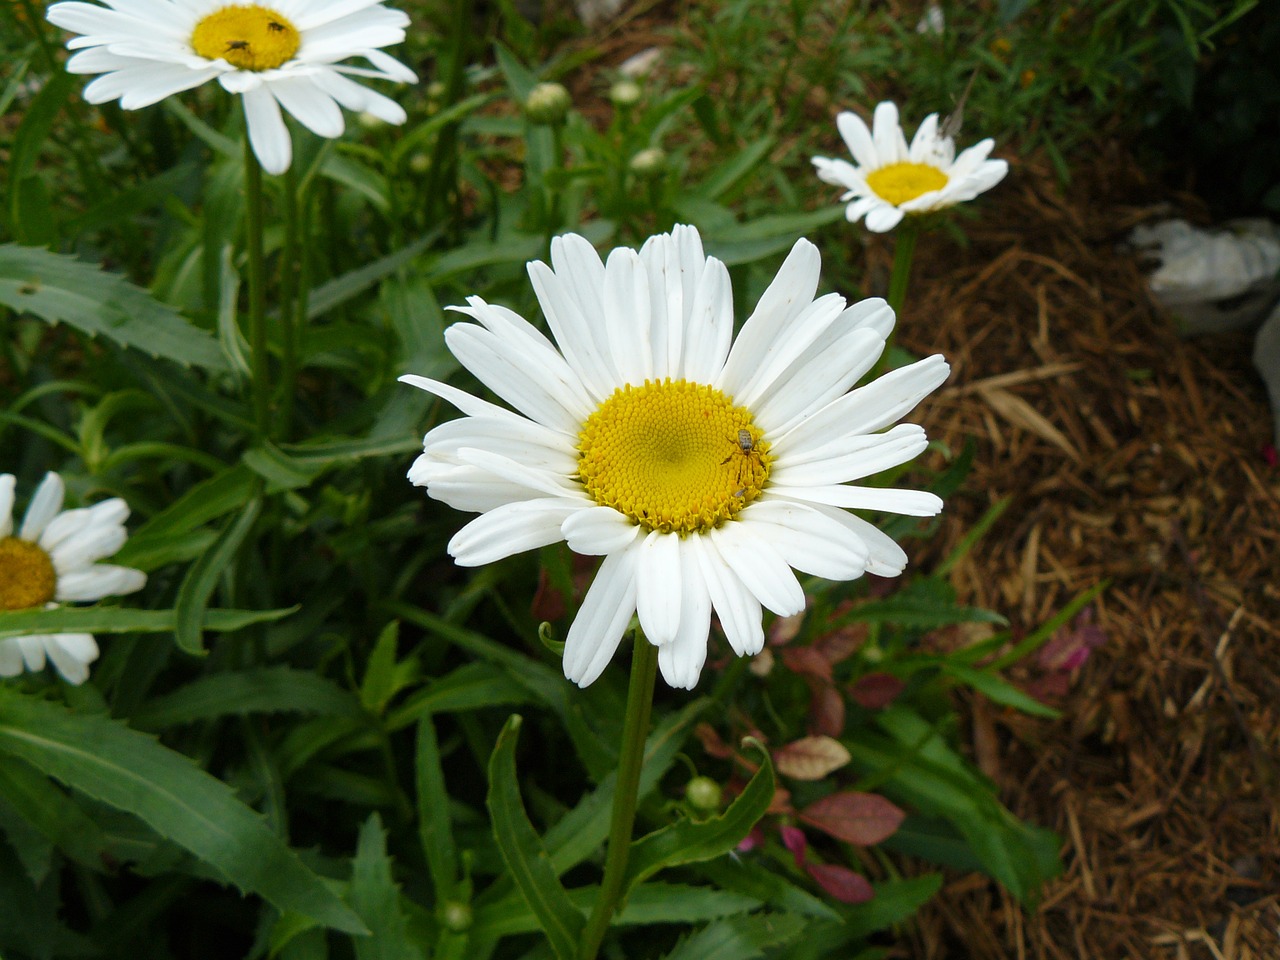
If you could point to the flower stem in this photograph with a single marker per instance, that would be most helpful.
(257, 293)
(289, 271)
(644, 664)
(904, 248)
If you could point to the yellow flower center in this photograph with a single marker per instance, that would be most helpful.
(246, 36)
(673, 456)
(900, 182)
(27, 577)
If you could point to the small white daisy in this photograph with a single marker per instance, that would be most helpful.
(284, 54)
(891, 179)
(703, 469)
(53, 558)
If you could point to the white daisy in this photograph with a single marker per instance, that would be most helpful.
(702, 469)
(892, 179)
(53, 558)
(284, 54)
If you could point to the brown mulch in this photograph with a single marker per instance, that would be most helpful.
(1134, 457)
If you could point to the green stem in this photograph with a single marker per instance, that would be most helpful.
(257, 292)
(904, 248)
(288, 302)
(644, 665)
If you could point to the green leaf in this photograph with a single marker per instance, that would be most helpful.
(726, 175)
(520, 79)
(281, 471)
(242, 692)
(742, 938)
(24, 155)
(198, 585)
(206, 501)
(54, 815)
(923, 612)
(472, 686)
(767, 236)
(379, 683)
(375, 897)
(1001, 691)
(106, 760)
(435, 827)
(691, 841)
(61, 289)
(17, 623)
(894, 902)
(328, 296)
(522, 850)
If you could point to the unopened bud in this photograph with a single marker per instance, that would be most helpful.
(456, 916)
(649, 163)
(419, 163)
(547, 104)
(625, 93)
(703, 794)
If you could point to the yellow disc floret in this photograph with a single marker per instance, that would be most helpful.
(673, 456)
(900, 182)
(246, 36)
(27, 577)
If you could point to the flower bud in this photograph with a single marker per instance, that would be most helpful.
(547, 104)
(649, 163)
(703, 794)
(625, 93)
(455, 915)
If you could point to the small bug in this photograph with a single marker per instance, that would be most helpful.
(237, 44)
(275, 26)
(745, 441)
(949, 129)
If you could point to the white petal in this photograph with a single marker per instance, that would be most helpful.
(580, 271)
(510, 529)
(572, 331)
(111, 512)
(911, 503)
(599, 531)
(659, 583)
(760, 568)
(98, 581)
(806, 539)
(786, 297)
(739, 611)
(7, 484)
(606, 610)
(505, 368)
(71, 654)
(313, 108)
(852, 458)
(708, 332)
(884, 557)
(11, 663)
(86, 546)
(521, 440)
(886, 130)
(267, 132)
(682, 659)
(883, 217)
(470, 405)
(44, 506)
(464, 487)
(32, 650)
(858, 139)
(513, 471)
(626, 317)
(354, 97)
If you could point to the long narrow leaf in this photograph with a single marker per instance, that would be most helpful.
(106, 760)
(197, 587)
(17, 623)
(522, 850)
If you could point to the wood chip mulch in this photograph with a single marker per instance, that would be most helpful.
(1138, 458)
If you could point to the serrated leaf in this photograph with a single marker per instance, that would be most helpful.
(523, 853)
(378, 685)
(17, 623)
(106, 760)
(50, 812)
(859, 818)
(202, 577)
(62, 289)
(742, 938)
(690, 841)
(435, 826)
(374, 895)
(810, 758)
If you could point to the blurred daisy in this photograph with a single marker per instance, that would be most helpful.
(281, 55)
(703, 469)
(891, 179)
(53, 558)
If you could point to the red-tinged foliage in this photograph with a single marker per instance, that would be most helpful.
(858, 818)
(548, 602)
(810, 758)
(807, 662)
(841, 882)
(794, 840)
(826, 709)
(875, 691)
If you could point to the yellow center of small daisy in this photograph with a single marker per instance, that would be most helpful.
(27, 577)
(673, 456)
(246, 36)
(900, 182)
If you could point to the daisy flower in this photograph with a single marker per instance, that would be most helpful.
(53, 558)
(891, 179)
(284, 54)
(702, 469)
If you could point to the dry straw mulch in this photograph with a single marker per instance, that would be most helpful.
(1139, 458)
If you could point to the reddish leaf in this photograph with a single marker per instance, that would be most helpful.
(810, 758)
(875, 691)
(793, 839)
(843, 643)
(841, 882)
(711, 742)
(751, 840)
(855, 817)
(780, 805)
(784, 629)
(807, 662)
(826, 710)
(548, 602)
(1070, 646)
